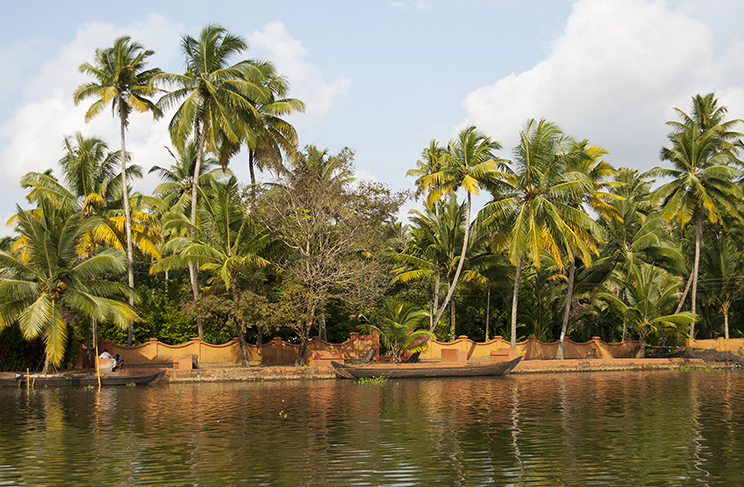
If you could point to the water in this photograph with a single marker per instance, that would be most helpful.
(633, 428)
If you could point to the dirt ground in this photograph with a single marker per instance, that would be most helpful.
(708, 356)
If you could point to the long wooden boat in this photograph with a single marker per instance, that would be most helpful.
(67, 380)
(400, 371)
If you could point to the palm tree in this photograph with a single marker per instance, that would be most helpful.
(398, 329)
(433, 251)
(467, 164)
(210, 95)
(649, 296)
(93, 190)
(720, 264)
(703, 186)
(267, 134)
(175, 191)
(586, 161)
(227, 244)
(538, 203)
(122, 80)
(50, 279)
(430, 163)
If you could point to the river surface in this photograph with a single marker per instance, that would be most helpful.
(614, 429)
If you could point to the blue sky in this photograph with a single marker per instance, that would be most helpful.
(384, 78)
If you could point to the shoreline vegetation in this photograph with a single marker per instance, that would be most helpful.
(567, 246)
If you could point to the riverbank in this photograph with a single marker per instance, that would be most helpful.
(287, 373)
(279, 373)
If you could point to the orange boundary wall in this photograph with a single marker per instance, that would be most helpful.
(734, 345)
(533, 349)
(228, 354)
(278, 351)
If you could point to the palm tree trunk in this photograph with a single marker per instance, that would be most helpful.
(239, 326)
(567, 311)
(127, 215)
(437, 284)
(515, 298)
(488, 308)
(193, 269)
(684, 294)
(452, 321)
(460, 264)
(696, 267)
(642, 342)
(725, 307)
(251, 168)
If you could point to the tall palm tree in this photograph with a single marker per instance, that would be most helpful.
(585, 161)
(537, 201)
(703, 185)
(210, 95)
(720, 264)
(266, 133)
(468, 164)
(122, 80)
(430, 163)
(50, 278)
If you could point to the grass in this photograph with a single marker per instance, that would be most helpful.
(372, 380)
(704, 368)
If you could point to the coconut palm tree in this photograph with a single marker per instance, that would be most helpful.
(266, 134)
(720, 265)
(93, 189)
(703, 185)
(50, 278)
(209, 96)
(175, 191)
(538, 203)
(430, 163)
(649, 296)
(586, 161)
(398, 330)
(468, 163)
(122, 80)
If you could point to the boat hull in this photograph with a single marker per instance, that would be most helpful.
(401, 371)
(74, 380)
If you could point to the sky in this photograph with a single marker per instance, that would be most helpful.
(384, 78)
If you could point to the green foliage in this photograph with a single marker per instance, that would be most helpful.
(398, 331)
(372, 380)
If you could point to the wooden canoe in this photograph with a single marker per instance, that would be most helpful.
(72, 380)
(400, 371)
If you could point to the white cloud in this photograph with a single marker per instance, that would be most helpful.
(422, 6)
(419, 6)
(613, 77)
(307, 80)
(31, 139)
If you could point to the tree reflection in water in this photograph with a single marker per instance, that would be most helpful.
(600, 429)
